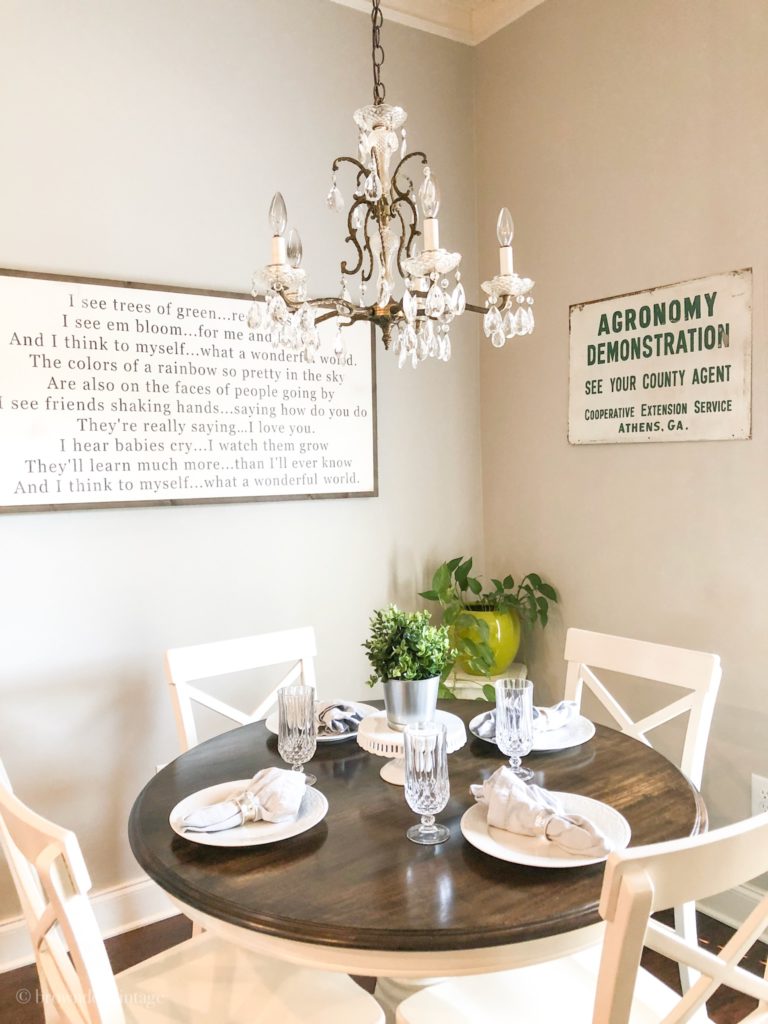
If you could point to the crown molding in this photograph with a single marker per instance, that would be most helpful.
(490, 16)
(464, 21)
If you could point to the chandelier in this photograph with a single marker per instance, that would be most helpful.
(391, 187)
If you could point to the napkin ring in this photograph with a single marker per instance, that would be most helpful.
(249, 806)
(543, 820)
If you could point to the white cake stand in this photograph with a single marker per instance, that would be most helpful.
(375, 736)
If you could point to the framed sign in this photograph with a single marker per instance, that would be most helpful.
(115, 394)
(670, 364)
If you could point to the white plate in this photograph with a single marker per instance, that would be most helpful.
(536, 850)
(577, 731)
(313, 809)
(272, 723)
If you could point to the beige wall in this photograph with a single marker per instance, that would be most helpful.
(630, 141)
(143, 141)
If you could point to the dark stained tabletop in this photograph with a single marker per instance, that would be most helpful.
(354, 880)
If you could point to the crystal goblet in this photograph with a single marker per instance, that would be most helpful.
(514, 722)
(297, 726)
(426, 779)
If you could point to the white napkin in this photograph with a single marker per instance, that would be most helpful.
(273, 794)
(544, 719)
(532, 811)
(337, 718)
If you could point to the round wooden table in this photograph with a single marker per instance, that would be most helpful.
(353, 894)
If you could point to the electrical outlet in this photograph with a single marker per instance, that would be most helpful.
(759, 794)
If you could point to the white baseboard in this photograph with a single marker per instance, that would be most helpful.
(733, 907)
(119, 909)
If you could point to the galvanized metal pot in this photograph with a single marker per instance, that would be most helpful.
(408, 701)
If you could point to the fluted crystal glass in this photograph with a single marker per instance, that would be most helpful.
(426, 780)
(514, 722)
(297, 727)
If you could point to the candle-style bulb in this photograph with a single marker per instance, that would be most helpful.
(294, 248)
(505, 228)
(429, 194)
(278, 215)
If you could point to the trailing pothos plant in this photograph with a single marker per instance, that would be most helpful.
(460, 594)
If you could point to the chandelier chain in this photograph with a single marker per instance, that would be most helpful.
(377, 53)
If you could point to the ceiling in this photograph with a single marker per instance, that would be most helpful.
(467, 21)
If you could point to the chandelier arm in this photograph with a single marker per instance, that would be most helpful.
(413, 231)
(326, 316)
(367, 247)
(352, 237)
(402, 248)
(361, 171)
(408, 156)
(475, 309)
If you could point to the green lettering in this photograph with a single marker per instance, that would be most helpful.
(692, 307)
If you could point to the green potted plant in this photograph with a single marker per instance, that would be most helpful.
(410, 657)
(485, 623)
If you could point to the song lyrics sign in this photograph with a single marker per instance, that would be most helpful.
(670, 364)
(114, 394)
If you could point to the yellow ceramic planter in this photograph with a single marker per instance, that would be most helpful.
(503, 638)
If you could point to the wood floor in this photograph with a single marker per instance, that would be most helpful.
(20, 996)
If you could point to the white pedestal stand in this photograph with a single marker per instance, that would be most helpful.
(375, 736)
(467, 687)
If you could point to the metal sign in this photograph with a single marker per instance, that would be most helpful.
(670, 364)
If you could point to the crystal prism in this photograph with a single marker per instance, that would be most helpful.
(509, 324)
(498, 339)
(373, 187)
(254, 316)
(424, 341)
(435, 303)
(458, 299)
(410, 306)
(334, 199)
(492, 321)
(276, 307)
(305, 319)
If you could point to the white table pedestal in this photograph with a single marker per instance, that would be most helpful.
(375, 736)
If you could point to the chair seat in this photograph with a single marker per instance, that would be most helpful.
(203, 980)
(546, 993)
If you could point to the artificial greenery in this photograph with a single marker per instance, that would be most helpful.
(460, 594)
(403, 645)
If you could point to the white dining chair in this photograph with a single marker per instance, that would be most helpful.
(186, 666)
(195, 982)
(695, 672)
(608, 986)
